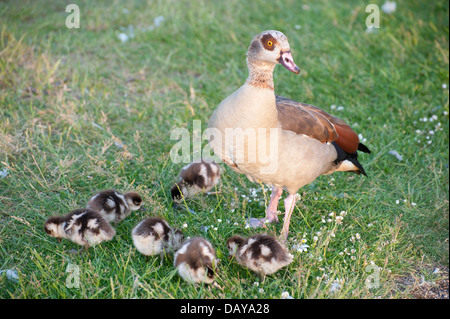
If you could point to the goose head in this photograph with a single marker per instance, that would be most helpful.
(272, 47)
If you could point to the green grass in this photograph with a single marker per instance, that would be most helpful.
(68, 97)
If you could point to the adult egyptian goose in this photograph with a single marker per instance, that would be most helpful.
(261, 253)
(113, 205)
(82, 226)
(195, 178)
(276, 140)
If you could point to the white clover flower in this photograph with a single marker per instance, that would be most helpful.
(185, 225)
(261, 290)
(389, 7)
(256, 284)
(339, 219)
(285, 295)
(219, 220)
(315, 238)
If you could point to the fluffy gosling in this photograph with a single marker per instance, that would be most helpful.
(82, 226)
(196, 178)
(154, 236)
(261, 253)
(196, 261)
(113, 205)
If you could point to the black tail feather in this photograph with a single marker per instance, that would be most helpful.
(363, 148)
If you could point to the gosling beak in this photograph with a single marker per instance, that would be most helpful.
(287, 61)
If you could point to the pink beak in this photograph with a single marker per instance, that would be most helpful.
(287, 61)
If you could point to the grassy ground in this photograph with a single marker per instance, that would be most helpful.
(81, 111)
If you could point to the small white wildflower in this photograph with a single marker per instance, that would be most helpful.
(235, 224)
(339, 219)
(444, 86)
(297, 27)
(285, 295)
(185, 225)
(341, 253)
(333, 107)
(219, 220)
(301, 248)
(358, 236)
(256, 284)
(353, 250)
(362, 138)
(158, 20)
(3, 173)
(343, 213)
(413, 204)
(397, 201)
(389, 7)
(329, 220)
(261, 290)
(333, 235)
(298, 196)
(335, 286)
(340, 108)
(315, 238)
(123, 37)
(418, 131)
(369, 225)
(353, 258)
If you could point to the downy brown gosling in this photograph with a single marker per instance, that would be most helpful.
(154, 236)
(196, 178)
(196, 261)
(261, 253)
(113, 205)
(82, 226)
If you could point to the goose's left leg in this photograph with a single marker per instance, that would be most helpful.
(271, 212)
(289, 205)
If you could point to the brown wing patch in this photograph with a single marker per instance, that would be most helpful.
(294, 117)
(347, 139)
